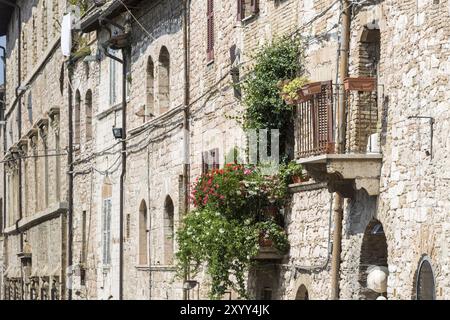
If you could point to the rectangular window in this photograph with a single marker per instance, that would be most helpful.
(106, 226)
(247, 9)
(83, 237)
(112, 81)
(210, 160)
(210, 30)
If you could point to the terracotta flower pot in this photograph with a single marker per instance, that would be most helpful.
(362, 84)
(312, 88)
(297, 179)
(264, 241)
(271, 211)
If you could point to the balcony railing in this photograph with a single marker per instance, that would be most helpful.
(314, 124)
(314, 117)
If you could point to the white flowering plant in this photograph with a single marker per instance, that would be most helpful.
(226, 229)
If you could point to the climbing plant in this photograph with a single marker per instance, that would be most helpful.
(280, 60)
(232, 219)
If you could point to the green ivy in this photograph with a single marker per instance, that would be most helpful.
(280, 60)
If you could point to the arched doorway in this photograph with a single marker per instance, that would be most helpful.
(302, 293)
(373, 262)
(425, 285)
(143, 234)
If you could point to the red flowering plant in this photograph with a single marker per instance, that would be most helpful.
(230, 224)
(238, 190)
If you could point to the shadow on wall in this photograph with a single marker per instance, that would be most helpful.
(164, 20)
(374, 253)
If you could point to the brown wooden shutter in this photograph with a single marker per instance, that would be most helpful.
(210, 30)
(240, 9)
(254, 6)
(216, 160)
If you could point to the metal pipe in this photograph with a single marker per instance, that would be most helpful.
(339, 200)
(70, 178)
(124, 168)
(19, 115)
(3, 107)
(186, 164)
(123, 61)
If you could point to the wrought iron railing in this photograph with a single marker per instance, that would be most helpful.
(314, 124)
(315, 114)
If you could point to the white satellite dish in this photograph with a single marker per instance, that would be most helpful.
(66, 35)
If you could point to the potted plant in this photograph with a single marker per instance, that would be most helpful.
(292, 90)
(362, 84)
(264, 240)
(293, 173)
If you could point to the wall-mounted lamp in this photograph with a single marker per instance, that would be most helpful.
(23, 88)
(118, 133)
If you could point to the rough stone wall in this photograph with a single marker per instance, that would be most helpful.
(414, 197)
(45, 240)
(414, 70)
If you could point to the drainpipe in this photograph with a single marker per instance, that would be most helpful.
(123, 61)
(19, 114)
(70, 178)
(4, 137)
(124, 167)
(186, 165)
(339, 200)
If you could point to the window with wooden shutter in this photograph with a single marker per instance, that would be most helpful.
(247, 9)
(107, 205)
(210, 160)
(210, 30)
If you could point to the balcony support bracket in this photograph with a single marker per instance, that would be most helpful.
(346, 173)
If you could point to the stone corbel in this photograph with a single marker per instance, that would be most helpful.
(23, 147)
(371, 185)
(43, 129)
(54, 116)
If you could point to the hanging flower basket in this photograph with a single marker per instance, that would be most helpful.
(362, 84)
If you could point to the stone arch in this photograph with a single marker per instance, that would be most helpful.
(77, 117)
(143, 233)
(164, 80)
(364, 110)
(88, 114)
(169, 231)
(150, 105)
(302, 293)
(374, 253)
(424, 280)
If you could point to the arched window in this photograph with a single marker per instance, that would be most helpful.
(44, 25)
(302, 293)
(373, 260)
(150, 106)
(164, 80)
(77, 119)
(88, 114)
(425, 286)
(143, 234)
(168, 231)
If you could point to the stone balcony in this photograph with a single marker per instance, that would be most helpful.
(360, 166)
(345, 173)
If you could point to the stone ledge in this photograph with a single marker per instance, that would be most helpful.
(307, 186)
(157, 268)
(28, 222)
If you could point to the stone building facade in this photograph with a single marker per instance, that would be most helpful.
(180, 104)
